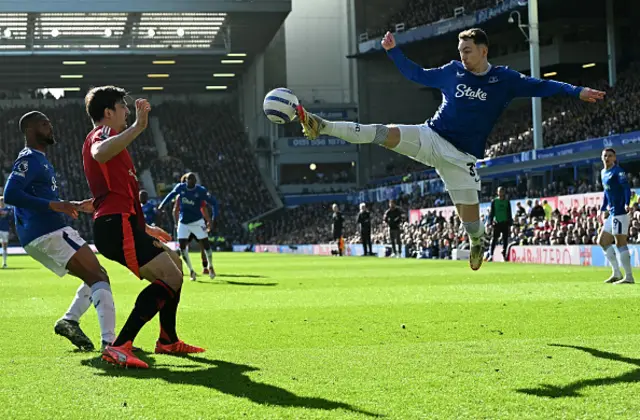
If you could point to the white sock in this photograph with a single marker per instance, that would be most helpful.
(610, 253)
(187, 259)
(4, 255)
(103, 302)
(356, 133)
(209, 254)
(475, 230)
(625, 260)
(80, 304)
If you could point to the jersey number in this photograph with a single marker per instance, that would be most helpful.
(472, 169)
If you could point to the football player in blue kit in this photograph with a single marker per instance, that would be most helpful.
(474, 95)
(615, 212)
(148, 208)
(6, 213)
(190, 196)
(33, 191)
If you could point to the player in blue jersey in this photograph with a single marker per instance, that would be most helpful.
(191, 221)
(5, 224)
(43, 231)
(615, 211)
(474, 94)
(148, 208)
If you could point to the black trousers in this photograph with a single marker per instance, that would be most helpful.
(394, 234)
(365, 235)
(501, 229)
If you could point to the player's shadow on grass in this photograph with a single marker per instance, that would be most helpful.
(572, 389)
(241, 276)
(226, 377)
(237, 283)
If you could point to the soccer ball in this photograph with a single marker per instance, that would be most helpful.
(280, 106)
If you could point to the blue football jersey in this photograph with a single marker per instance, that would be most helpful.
(471, 103)
(6, 213)
(29, 189)
(149, 210)
(617, 192)
(191, 202)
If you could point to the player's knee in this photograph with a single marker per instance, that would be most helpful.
(404, 139)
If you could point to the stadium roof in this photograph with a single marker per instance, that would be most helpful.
(180, 46)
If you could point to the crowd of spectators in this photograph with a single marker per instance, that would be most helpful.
(423, 12)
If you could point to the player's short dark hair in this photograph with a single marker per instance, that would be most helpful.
(477, 35)
(29, 118)
(100, 98)
(610, 149)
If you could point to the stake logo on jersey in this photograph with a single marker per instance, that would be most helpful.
(32, 185)
(190, 202)
(476, 99)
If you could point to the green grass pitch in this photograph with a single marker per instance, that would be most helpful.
(303, 337)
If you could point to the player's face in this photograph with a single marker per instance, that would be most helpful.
(44, 132)
(608, 158)
(122, 113)
(472, 55)
(144, 197)
(191, 181)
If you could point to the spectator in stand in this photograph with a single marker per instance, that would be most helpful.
(537, 211)
(548, 210)
(520, 211)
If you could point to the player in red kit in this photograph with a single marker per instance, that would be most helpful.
(120, 231)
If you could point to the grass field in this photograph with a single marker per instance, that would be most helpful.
(319, 337)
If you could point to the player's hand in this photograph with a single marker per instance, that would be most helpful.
(389, 41)
(627, 208)
(64, 207)
(85, 206)
(208, 226)
(158, 233)
(143, 107)
(591, 95)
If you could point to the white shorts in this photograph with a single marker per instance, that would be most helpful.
(456, 168)
(4, 237)
(55, 249)
(617, 225)
(198, 228)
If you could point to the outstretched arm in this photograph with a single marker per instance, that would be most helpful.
(409, 69)
(530, 87)
(174, 193)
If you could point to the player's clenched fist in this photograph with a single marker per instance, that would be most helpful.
(142, 112)
(388, 42)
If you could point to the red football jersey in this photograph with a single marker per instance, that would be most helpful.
(114, 184)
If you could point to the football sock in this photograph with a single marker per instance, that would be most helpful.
(4, 255)
(356, 133)
(205, 261)
(187, 258)
(475, 230)
(625, 259)
(103, 302)
(80, 303)
(150, 301)
(209, 257)
(168, 313)
(610, 253)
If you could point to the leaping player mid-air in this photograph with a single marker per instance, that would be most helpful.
(615, 209)
(474, 95)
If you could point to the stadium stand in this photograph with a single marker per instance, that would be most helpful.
(423, 12)
(219, 152)
(210, 140)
